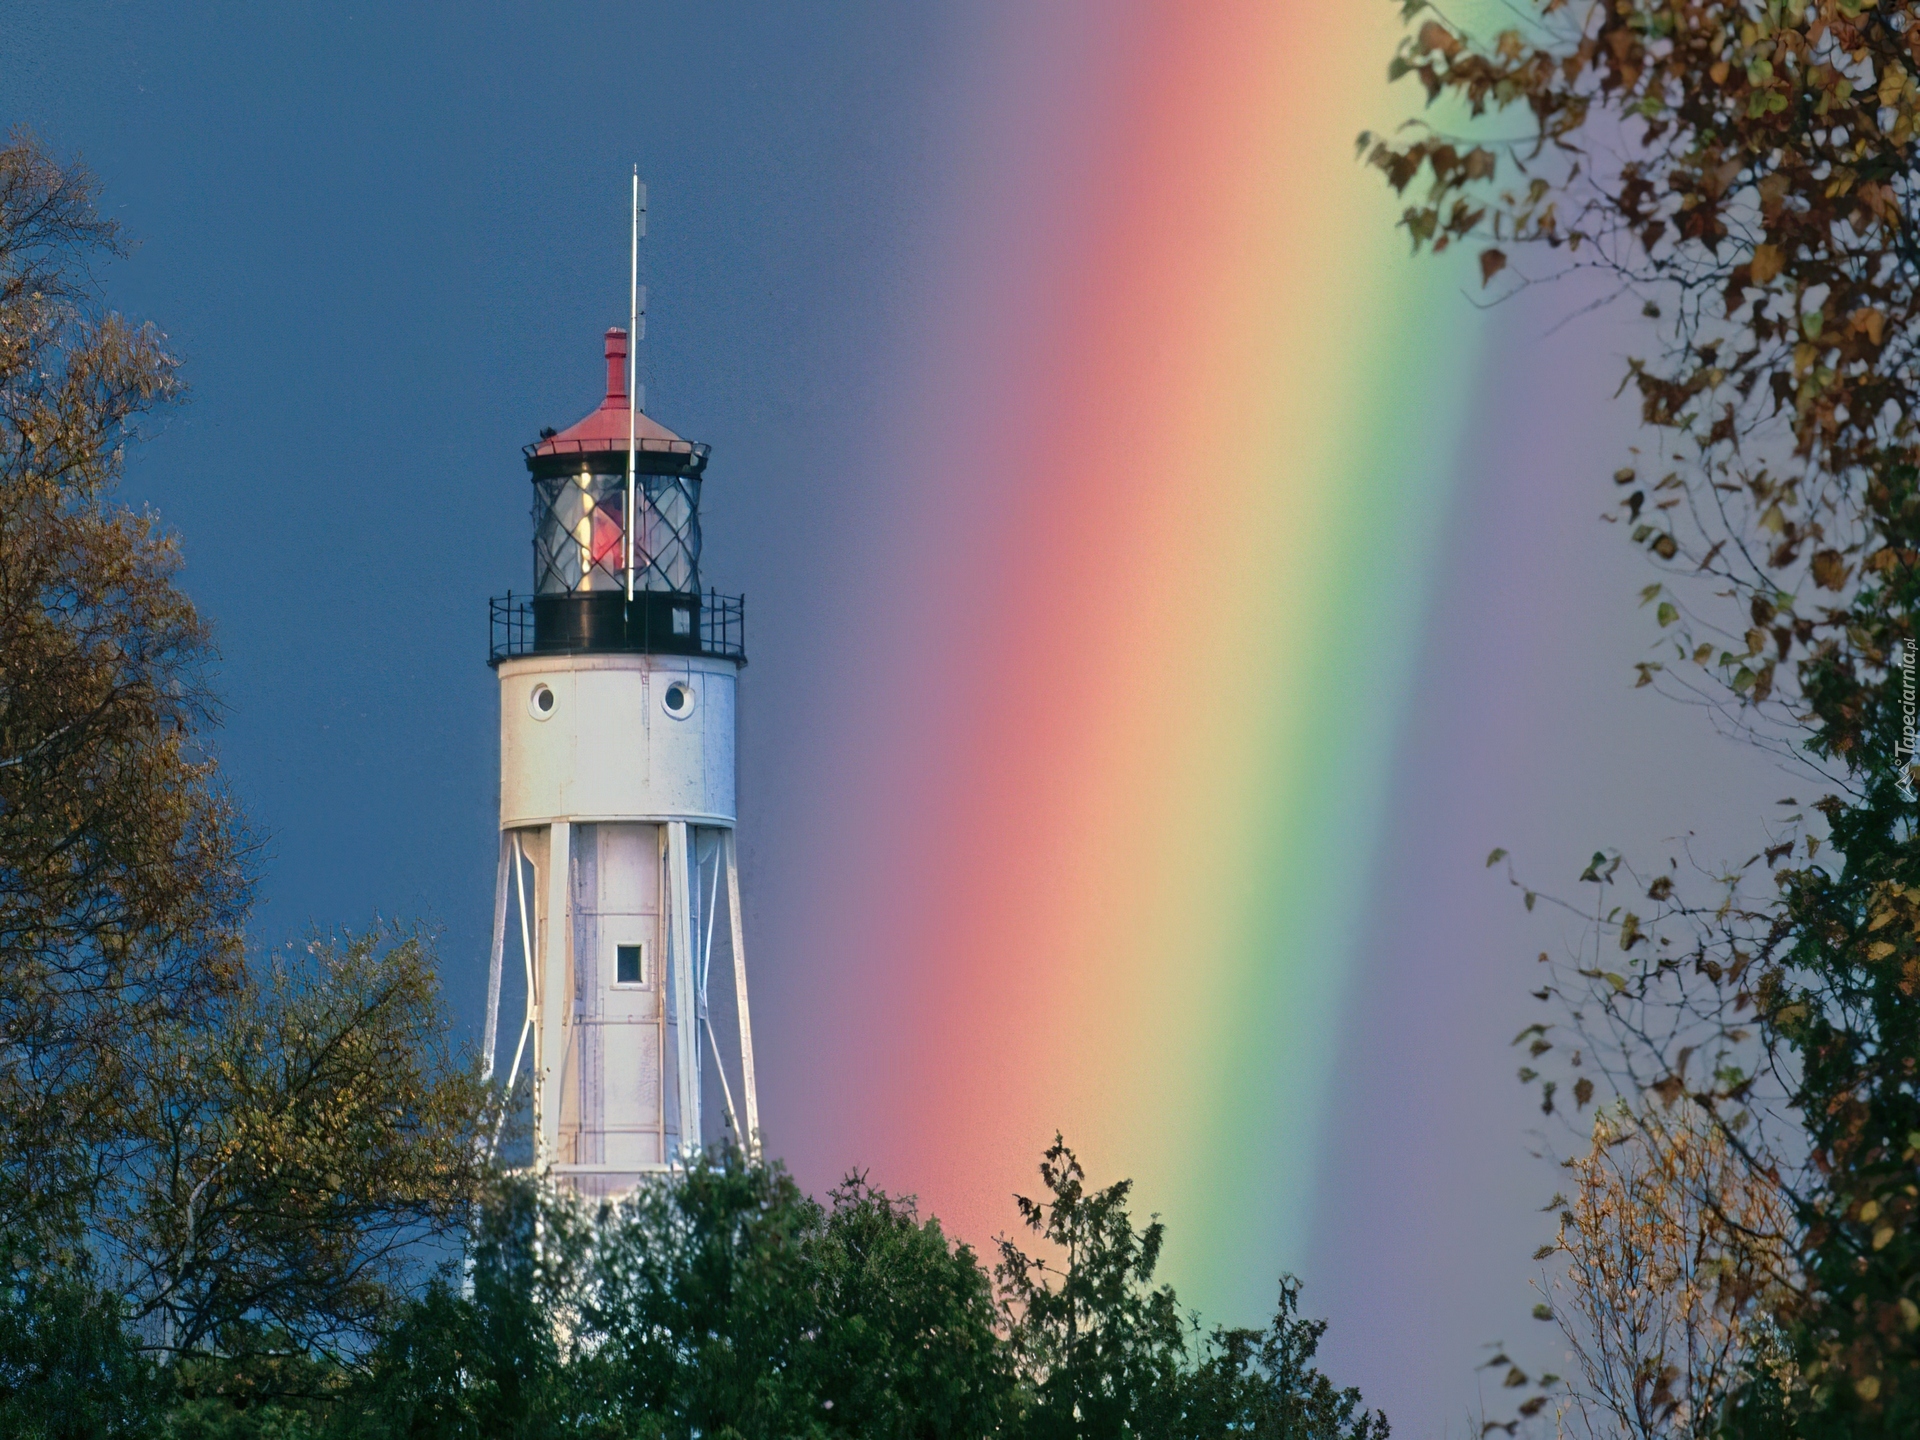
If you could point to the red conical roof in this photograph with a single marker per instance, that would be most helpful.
(606, 428)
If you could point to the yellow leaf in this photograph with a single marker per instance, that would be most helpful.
(1768, 261)
(1879, 950)
(1892, 81)
(1868, 321)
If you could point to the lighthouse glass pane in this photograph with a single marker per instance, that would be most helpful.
(668, 534)
(579, 545)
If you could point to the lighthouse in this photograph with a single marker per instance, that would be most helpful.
(618, 883)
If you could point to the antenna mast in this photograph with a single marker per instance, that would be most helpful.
(633, 362)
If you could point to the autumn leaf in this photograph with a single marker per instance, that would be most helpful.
(1869, 321)
(1492, 262)
(1753, 162)
(1435, 36)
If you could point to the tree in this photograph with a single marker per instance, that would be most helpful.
(1264, 1384)
(1103, 1352)
(1675, 1254)
(723, 1301)
(302, 1144)
(1746, 170)
(911, 1349)
(718, 1301)
(250, 1153)
(69, 1367)
(703, 1292)
(493, 1361)
(123, 869)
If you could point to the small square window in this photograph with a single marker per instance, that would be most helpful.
(682, 621)
(629, 965)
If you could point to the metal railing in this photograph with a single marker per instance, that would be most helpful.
(509, 626)
(723, 627)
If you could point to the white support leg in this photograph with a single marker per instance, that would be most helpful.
(748, 1093)
(685, 998)
(550, 1054)
(495, 957)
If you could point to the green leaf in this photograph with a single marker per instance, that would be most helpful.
(1496, 857)
(1666, 614)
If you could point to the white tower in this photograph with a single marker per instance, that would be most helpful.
(618, 881)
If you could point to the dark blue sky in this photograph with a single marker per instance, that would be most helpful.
(386, 241)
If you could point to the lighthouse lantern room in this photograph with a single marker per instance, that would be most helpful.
(618, 880)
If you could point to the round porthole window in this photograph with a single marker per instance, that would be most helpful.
(540, 703)
(678, 699)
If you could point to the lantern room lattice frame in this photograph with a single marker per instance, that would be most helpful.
(579, 509)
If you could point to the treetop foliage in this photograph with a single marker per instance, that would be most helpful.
(1746, 171)
(725, 1301)
(248, 1151)
(123, 870)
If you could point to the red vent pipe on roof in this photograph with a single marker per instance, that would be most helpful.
(616, 370)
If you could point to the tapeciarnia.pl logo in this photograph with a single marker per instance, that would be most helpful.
(1904, 750)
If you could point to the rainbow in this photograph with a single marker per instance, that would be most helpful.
(1170, 469)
